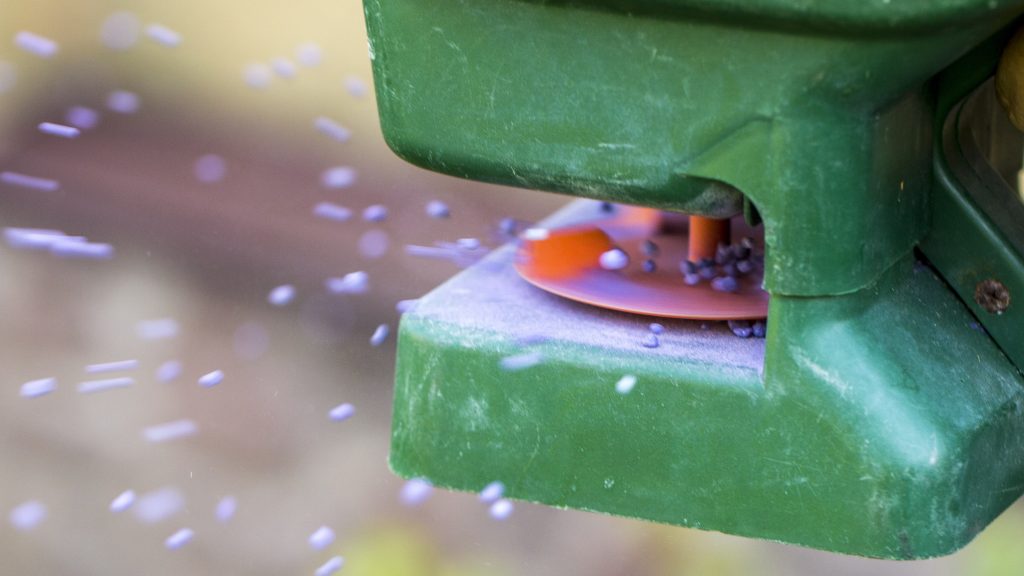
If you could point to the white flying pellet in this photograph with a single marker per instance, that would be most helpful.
(123, 102)
(403, 306)
(625, 384)
(283, 67)
(332, 211)
(257, 75)
(210, 168)
(163, 35)
(351, 283)
(521, 361)
(342, 412)
(59, 130)
(169, 370)
(35, 44)
(82, 117)
(26, 181)
(170, 431)
(308, 55)
(380, 335)
(92, 386)
(492, 492)
(322, 538)
(211, 379)
(355, 86)
(332, 129)
(157, 329)
(117, 366)
(158, 505)
(416, 491)
(226, 508)
(84, 250)
(437, 209)
(535, 234)
(27, 515)
(120, 30)
(330, 567)
(338, 177)
(37, 388)
(179, 539)
(123, 501)
(281, 295)
(375, 213)
(501, 509)
(374, 244)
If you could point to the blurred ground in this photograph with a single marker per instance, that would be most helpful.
(206, 255)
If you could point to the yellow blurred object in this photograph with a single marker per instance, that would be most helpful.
(1010, 79)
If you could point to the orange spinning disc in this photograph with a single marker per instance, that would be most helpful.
(566, 263)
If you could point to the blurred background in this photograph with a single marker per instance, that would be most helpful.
(204, 246)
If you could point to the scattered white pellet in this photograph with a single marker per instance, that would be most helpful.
(355, 86)
(163, 35)
(342, 412)
(82, 117)
(157, 329)
(283, 67)
(521, 361)
(536, 234)
(468, 244)
(210, 168)
(117, 366)
(332, 211)
(614, 259)
(308, 55)
(403, 306)
(26, 181)
(82, 250)
(226, 508)
(375, 213)
(8, 76)
(168, 371)
(35, 44)
(656, 328)
(211, 379)
(501, 509)
(27, 515)
(492, 492)
(281, 295)
(321, 538)
(437, 209)
(338, 177)
(625, 384)
(330, 567)
(179, 539)
(351, 283)
(158, 505)
(416, 491)
(37, 388)
(257, 75)
(170, 431)
(380, 335)
(650, 341)
(123, 102)
(120, 30)
(59, 130)
(33, 238)
(123, 501)
(332, 129)
(93, 386)
(374, 244)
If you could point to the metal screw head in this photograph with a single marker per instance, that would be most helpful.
(992, 295)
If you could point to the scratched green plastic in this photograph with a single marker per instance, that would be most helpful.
(882, 425)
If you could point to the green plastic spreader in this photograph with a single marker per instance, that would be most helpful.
(879, 417)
